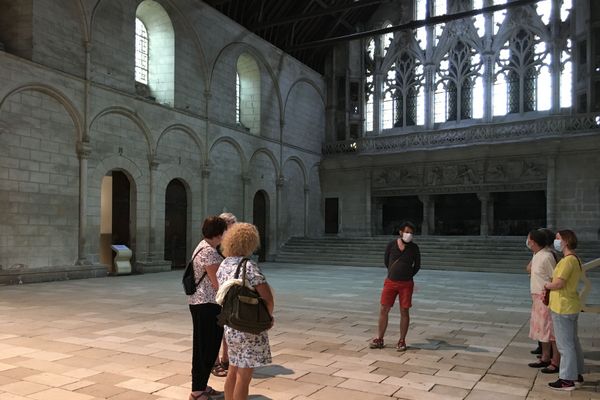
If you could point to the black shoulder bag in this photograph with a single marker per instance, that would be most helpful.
(189, 278)
(243, 308)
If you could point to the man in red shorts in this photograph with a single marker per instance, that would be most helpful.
(403, 261)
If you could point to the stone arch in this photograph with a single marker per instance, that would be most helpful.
(235, 144)
(304, 116)
(296, 160)
(199, 148)
(248, 94)
(56, 95)
(298, 81)
(131, 116)
(270, 155)
(234, 49)
(138, 181)
(225, 183)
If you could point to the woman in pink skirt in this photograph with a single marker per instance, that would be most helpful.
(540, 328)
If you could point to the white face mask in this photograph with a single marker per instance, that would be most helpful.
(407, 237)
(558, 245)
(527, 243)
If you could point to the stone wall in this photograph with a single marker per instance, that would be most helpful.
(60, 134)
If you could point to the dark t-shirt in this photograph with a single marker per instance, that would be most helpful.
(402, 265)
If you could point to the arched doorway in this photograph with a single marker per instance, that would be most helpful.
(116, 199)
(260, 216)
(176, 224)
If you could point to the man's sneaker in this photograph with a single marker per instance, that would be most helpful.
(562, 384)
(401, 346)
(376, 343)
(579, 381)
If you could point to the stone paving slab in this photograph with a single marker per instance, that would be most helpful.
(129, 337)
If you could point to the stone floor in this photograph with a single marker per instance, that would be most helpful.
(128, 337)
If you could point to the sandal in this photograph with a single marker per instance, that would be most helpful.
(550, 369)
(212, 392)
(201, 396)
(219, 370)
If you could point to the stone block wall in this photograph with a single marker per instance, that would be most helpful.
(60, 134)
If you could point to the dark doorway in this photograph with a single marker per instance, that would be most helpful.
(457, 214)
(516, 213)
(121, 209)
(260, 217)
(331, 215)
(395, 210)
(176, 224)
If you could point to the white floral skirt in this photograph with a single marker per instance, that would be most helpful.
(540, 324)
(246, 350)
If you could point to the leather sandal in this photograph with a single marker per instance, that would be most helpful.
(219, 370)
(550, 369)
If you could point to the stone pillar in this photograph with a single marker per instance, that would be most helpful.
(367, 187)
(205, 175)
(246, 201)
(488, 66)
(555, 51)
(484, 225)
(306, 208)
(153, 166)
(551, 193)
(84, 151)
(278, 200)
(426, 223)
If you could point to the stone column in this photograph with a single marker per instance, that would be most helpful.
(246, 202)
(555, 52)
(488, 65)
(551, 193)
(205, 175)
(278, 200)
(306, 208)
(153, 166)
(367, 228)
(484, 225)
(84, 151)
(426, 223)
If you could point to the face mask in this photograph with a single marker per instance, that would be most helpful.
(527, 244)
(558, 245)
(407, 237)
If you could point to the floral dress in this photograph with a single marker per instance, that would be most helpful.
(245, 350)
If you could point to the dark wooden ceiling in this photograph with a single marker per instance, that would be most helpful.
(291, 23)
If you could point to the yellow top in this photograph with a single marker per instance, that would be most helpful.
(566, 300)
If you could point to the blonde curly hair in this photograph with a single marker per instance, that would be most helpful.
(242, 239)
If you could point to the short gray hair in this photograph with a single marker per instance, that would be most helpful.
(229, 218)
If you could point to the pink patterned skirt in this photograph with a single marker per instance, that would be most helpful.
(540, 324)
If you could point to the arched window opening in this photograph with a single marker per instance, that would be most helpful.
(403, 87)
(249, 94)
(369, 86)
(566, 76)
(439, 8)
(386, 40)
(141, 52)
(156, 52)
(565, 9)
(544, 9)
(237, 98)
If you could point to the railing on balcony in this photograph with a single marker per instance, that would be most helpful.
(546, 127)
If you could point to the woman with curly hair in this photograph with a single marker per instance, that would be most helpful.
(246, 351)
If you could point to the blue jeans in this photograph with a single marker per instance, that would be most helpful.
(567, 341)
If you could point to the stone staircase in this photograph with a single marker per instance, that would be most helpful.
(459, 253)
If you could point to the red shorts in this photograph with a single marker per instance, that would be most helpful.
(391, 289)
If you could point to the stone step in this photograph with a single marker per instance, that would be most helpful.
(461, 253)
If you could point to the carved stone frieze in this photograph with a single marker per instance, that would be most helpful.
(400, 176)
(515, 171)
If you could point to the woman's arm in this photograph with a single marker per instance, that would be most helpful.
(211, 273)
(557, 283)
(264, 290)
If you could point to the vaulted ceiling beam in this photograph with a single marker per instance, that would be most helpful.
(318, 13)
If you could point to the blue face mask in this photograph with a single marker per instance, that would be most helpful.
(558, 245)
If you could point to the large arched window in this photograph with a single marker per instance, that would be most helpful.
(248, 96)
(141, 52)
(155, 52)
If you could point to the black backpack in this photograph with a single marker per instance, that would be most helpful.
(189, 278)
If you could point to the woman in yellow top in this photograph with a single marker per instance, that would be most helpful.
(565, 306)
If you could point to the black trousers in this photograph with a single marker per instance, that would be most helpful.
(206, 344)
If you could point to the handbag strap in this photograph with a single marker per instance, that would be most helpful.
(192, 261)
(241, 264)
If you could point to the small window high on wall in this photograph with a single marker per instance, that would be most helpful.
(154, 53)
(248, 96)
